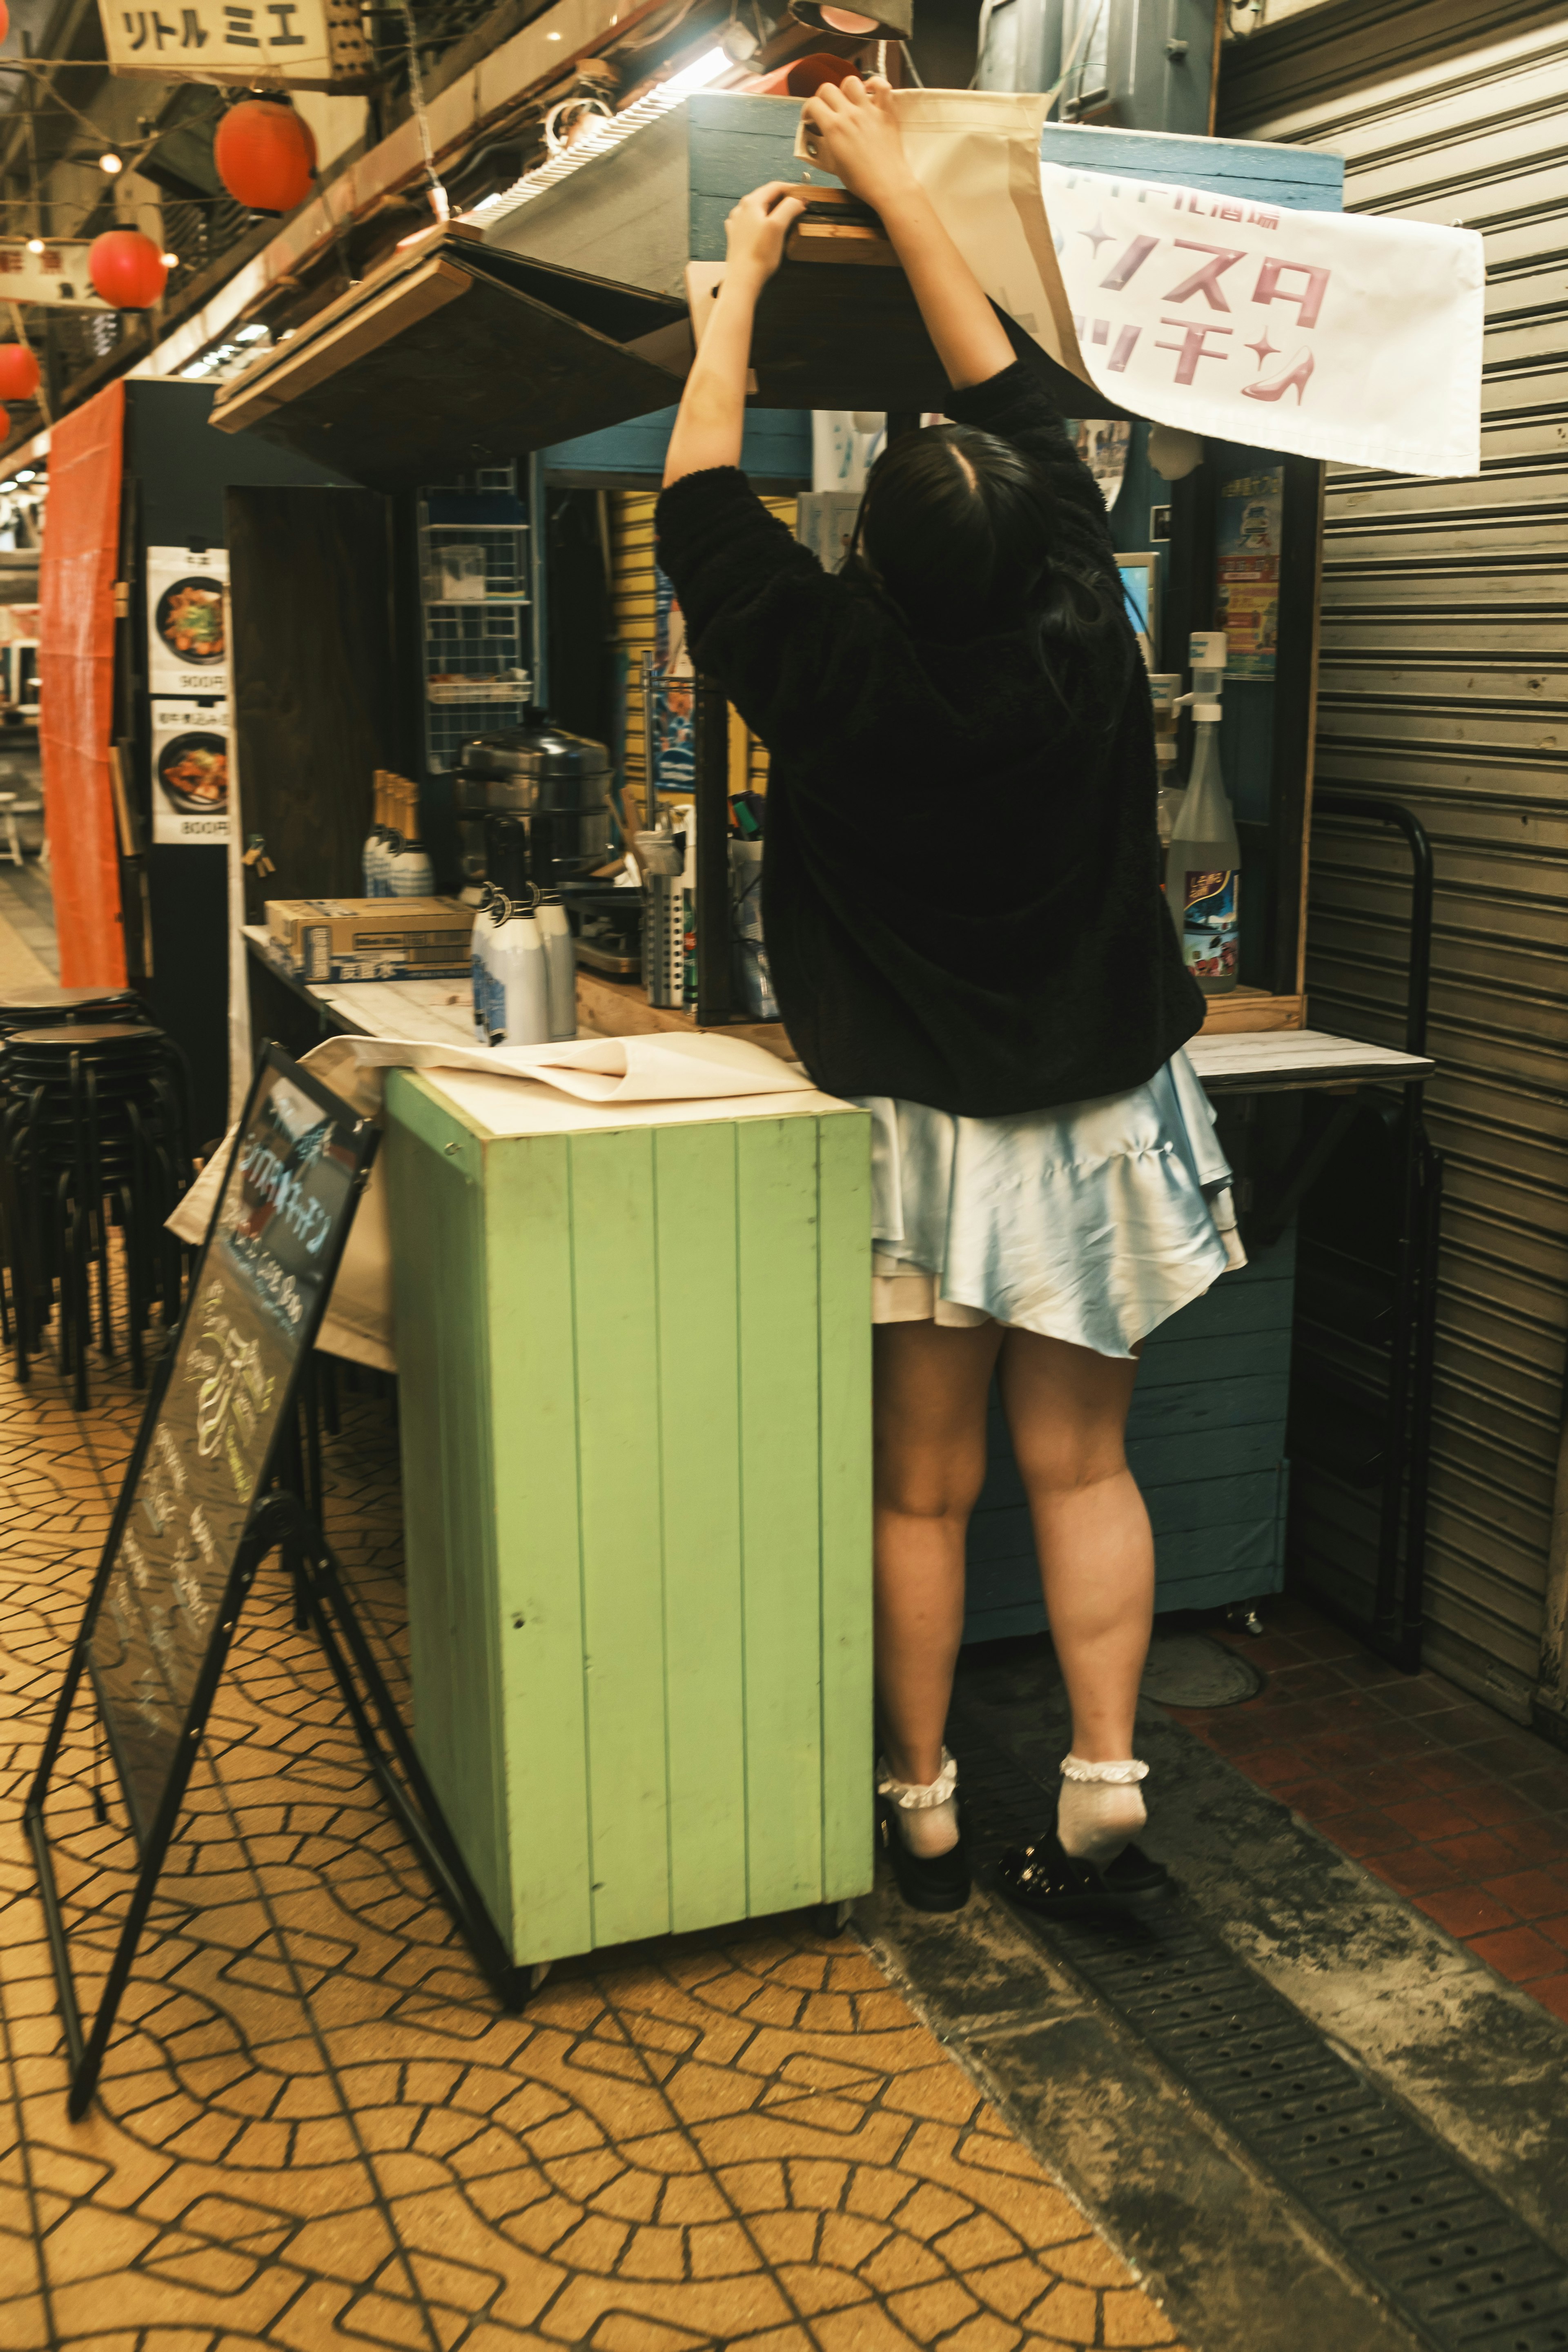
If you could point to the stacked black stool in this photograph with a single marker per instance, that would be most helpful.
(93, 1134)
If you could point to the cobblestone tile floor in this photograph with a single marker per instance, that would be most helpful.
(315, 2127)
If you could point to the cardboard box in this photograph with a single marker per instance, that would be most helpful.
(324, 940)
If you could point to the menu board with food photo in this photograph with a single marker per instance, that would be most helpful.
(187, 626)
(190, 771)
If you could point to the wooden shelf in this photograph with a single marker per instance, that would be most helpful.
(1253, 1008)
(618, 1008)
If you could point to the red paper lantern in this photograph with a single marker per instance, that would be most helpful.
(4, 20)
(127, 268)
(265, 155)
(18, 366)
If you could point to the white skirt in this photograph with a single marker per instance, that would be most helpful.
(1093, 1222)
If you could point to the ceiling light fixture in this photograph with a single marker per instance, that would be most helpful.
(698, 76)
(891, 20)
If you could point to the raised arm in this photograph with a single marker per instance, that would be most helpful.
(855, 134)
(713, 415)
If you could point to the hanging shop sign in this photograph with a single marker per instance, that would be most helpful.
(187, 621)
(190, 773)
(286, 43)
(56, 277)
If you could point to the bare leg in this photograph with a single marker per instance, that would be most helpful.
(1067, 1408)
(930, 1396)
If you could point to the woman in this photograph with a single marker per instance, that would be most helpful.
(964, 923)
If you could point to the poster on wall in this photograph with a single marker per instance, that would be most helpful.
(187, 626)
(674, 711)
(190, 773)
(1103, 443)
(1247, 549)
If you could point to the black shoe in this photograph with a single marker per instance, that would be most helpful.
(1044, 1878)
(934, 1882)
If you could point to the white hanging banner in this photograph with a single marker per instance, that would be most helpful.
(1341, 335)
(1338, 335)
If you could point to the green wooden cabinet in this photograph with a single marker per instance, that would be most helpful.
(635, 1380)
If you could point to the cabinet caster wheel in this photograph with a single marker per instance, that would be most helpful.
(831, 1918)
(537, 1974)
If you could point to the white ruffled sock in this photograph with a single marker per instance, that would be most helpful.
(927, 1814)
(1100, 1807)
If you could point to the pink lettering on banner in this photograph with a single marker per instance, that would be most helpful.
(1257, 219)
(1131, 262)
(1206, 279)
(1123, 350)
(1309, 299)
(1192, 347)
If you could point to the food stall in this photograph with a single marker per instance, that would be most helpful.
(555, 347)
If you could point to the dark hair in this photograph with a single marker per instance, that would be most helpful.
(965, 536)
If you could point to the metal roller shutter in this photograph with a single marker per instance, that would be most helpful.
(1445, 625)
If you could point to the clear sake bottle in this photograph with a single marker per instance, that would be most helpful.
(408, 871)
(1203, 872)
(372, 858)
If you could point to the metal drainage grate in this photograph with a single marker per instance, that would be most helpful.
(1430, 2237)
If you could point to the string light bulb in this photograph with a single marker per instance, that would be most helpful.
(111, 162)
(34, 245)
(171, 261)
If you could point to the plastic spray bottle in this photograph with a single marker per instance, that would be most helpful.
(517, 992)
(555, 930)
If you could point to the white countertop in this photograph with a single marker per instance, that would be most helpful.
(439, 1012)
(1241, 1061)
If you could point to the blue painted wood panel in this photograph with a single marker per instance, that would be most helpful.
(736, 143)
(778, 447)
(1205, 1440)
(1300, 179)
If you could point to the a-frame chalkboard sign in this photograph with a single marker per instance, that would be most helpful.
(198, 1512)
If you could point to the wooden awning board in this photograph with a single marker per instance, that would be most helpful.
(455, 356)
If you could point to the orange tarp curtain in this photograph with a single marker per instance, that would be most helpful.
(76, 572)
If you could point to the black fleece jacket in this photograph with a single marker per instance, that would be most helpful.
(961, 889)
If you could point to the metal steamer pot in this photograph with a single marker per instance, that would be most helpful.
(556, 783)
